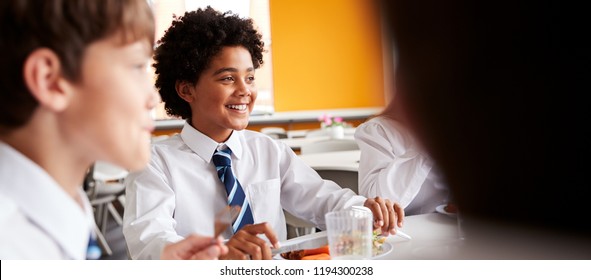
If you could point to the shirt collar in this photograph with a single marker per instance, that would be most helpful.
(45, 203)
(204, 146)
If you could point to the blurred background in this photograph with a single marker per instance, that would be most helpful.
(320, 55)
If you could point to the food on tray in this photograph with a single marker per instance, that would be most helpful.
(320, 253)
(377, 242)
(323, 256)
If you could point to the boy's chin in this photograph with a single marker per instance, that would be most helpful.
(240, 127)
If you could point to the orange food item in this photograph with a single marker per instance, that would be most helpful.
(316, 251)
(321, 256)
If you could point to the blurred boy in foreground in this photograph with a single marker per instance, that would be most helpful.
(73, 90)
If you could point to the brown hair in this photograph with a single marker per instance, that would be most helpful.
(67, 27)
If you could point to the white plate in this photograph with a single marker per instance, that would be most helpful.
(386, 249)
(441, 209)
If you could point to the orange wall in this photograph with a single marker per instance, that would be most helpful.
(327, 54)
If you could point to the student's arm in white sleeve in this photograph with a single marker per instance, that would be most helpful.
(390, 166)
(306, 195)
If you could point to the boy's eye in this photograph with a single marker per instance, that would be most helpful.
(228, 79)
(141, 66)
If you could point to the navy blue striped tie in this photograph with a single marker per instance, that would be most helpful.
(93, 251)
(223, 163)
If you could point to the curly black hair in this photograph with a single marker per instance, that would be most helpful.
(188, 46)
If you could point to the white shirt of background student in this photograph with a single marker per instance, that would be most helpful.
(393, 166)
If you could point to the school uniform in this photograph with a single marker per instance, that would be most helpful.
(179, 192)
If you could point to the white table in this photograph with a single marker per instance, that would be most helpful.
(341, 160)
(297, 143)
(301, 133)
(434, 236)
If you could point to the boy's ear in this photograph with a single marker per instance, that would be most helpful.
(185, 90)
(43, 77)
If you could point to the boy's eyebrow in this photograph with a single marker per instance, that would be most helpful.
(231, 69)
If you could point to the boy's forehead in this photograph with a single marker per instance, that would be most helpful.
(123, 38)
(114, 51)
(142, 47)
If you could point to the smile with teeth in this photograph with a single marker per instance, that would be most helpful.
(240, 107)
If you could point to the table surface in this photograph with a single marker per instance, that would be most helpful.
(301, 133)
(297, 143)
(341, 160)
(434, 236)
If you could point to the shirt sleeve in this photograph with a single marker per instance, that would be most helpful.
(306, 195)
(148, 223)
(390, 165)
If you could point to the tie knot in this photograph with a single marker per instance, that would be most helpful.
(222, 158)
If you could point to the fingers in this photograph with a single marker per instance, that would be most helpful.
(376, 210)
(390, 226)
(219, 241)
(251, 246)
(193, 247)
(235, 254)
(267, 230)
(212, 252)
(387, 215)
(245, 244)
(384, 207)
(399, 214)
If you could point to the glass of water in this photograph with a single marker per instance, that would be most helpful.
(349, 234)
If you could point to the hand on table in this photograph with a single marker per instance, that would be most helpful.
(387, 215)
(245, 244)
(195, 247)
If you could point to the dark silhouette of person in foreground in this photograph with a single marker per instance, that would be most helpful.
(476, 79)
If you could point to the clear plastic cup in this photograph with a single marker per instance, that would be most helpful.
(349, 234)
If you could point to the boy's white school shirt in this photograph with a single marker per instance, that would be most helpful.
(393, 166)
(179, 192)
(38, 219)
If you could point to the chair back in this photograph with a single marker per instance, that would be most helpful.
(344, 178)
(104, 171)
(104, 186)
